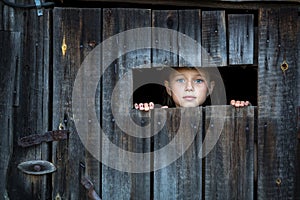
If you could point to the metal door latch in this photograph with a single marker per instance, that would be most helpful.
(36, 167)
(39, 138)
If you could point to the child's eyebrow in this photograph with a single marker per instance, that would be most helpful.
(175, 75)
(200, 75)
(196, 75)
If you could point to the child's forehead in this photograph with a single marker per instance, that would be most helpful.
(189, 71)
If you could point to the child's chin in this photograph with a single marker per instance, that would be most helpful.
(189, 105)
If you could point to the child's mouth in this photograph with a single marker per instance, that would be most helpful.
(189, 98)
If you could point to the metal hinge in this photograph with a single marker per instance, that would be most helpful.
(38, 5)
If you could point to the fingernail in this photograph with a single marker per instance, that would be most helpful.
(146, 106)
(136, 106)
(151, 105)
(141, 106)
(232, 102)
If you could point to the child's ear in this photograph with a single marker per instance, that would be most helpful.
(169, 91)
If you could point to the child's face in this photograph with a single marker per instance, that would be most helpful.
(188, 87)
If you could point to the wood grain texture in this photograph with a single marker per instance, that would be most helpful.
(297, 193)
(80, 31)
(241, 38)
(37, 83)
(214, 38)
(277, 99)
(181, 178)
(190, 26)
(229, 4)
(30, 113)
(167, 19)
(120, 184)
(298, 65)
(229, 167)
(9, 67)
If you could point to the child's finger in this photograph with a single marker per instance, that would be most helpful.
(151, 105)
(242, 103)
(146, 107)
(141, 106)
(232, 102)
(136, 106)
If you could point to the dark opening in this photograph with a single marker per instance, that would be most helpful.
(240, 84)
(148, 85)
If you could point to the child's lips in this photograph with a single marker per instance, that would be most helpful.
(189, 98)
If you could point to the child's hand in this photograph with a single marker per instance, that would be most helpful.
(146, 106)
(238, 104)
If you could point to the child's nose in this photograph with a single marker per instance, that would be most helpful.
(189, 86)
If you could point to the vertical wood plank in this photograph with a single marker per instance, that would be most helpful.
(31, 105)
(241, 38)
(277, 97)
(180, 179)
(190, 25)
(298, 65)
(90, 39)
(78, 32)
(167, 19)
(117, 184)
(214, 38)
(297, 193)
(229, 167)
(9, 67)
(9, 18)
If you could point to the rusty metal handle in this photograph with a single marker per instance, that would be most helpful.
(39, 138)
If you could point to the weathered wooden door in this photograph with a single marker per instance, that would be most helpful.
(228, 171)
(254, 157)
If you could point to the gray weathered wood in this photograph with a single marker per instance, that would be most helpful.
(31, 104)
(79, 30)
(277, 99)
(9, 67)
(298, 62)
(90, 39)
(241, 38)
(182, 133)
(167, 19)
(190, 26)
(297, 193)
(182, 178)
(214, 38)
(204, 2)
(229, 4)
(117, 184)
(229, 167)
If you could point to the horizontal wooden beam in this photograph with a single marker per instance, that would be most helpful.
(234, 4)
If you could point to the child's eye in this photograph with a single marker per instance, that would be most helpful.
(180, 80)
(198, 81)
